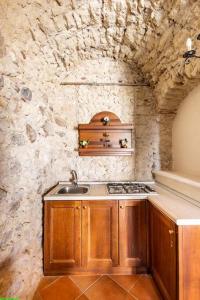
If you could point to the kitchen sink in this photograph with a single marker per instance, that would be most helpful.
(76, 189)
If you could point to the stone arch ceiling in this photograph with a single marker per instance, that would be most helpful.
(56, 35)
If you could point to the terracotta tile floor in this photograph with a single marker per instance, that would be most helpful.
(97, 287)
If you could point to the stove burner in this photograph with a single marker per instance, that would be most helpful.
(129, 188)
(116, 188)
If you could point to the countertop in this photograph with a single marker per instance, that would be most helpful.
(178, 208)
(189, 186)
(97, 191)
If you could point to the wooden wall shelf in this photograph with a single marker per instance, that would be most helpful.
(105, 152)
(104, 139)
(108, 127)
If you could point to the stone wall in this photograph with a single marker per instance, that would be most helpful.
(39, 142)
(61, 33)
(128, 102)
(42, 44)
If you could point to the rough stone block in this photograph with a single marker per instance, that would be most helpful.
(26, 94)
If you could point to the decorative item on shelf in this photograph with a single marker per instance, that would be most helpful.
(105, 120)
(191, 51)
(123, 143)
(104, 131)
(84, 143)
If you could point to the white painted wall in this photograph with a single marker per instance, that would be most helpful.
(186, 136)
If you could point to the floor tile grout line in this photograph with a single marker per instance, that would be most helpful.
(146, 275)
(100, 276)
(76, 286)
(75, 283)
(117, 283)
(51, 283)
(89, 286)
(93, 282)
(139, 276)
(134, 298)
(127, 290)
(80, 296)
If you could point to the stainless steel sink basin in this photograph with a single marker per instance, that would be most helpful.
(79, 189)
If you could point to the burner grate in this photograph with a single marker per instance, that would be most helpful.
(129, 188)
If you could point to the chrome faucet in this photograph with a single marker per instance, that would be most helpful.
(74, 177)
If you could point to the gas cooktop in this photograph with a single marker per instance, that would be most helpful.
(129, 188)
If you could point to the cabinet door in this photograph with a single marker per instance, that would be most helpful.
(62, 235)
(189, 258)
(100, 234)
(163, 252)
(133, 233)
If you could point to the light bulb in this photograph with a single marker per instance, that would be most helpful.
(189, 44)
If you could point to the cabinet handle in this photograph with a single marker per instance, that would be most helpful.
(171, 232)
(84, 207)
(121, 206)
(77, 207)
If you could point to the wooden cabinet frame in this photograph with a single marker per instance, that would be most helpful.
(98, 244)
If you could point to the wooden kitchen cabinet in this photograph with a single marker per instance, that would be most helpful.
(175, 256)
(62, 236)
(111, 236)
(189, 262)
(100, 235)
(133, 233)
(163, 253)
(95, 236)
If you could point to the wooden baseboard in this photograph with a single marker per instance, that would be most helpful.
(114, 270)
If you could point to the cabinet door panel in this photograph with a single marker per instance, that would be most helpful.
(189, 258)
(163, 252)
(102, 216)
(62, 249)
(100, 234)
(133, 233)
(63, 234)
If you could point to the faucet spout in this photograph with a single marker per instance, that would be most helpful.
(74, 177)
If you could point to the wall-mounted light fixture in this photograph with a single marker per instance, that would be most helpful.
(191, 52)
